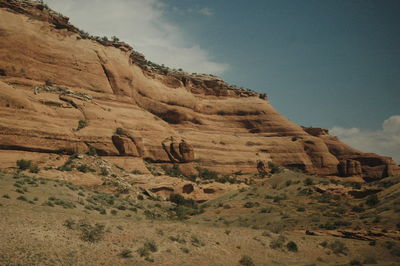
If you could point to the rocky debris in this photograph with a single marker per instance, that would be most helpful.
(349, 168)
(181, 152)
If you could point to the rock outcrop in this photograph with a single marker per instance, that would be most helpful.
(53, 75)
(349, 168)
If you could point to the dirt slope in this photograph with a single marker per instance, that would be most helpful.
(63, 92)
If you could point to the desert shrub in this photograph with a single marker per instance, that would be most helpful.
(178, 239)
(64, 203)
(197, 242)
(173, 171)
(301, 209)
(104, 171)
(292, 246)
(92, 151)
(24, 164)
(6, 196)
(65, 168)
(81, 124)
(69, 223)
(48, 83)
(34, 169)
(114, 212)
(136, 172)
(246, 261)
(22, 197)
(357, 209)
(180, 200)
(266, 210)
(355, 262)
(308, 181)
(126, 253)
(206, 174)
(338, 247)
(120, 131)
(91, 233)
(250, 204)
(151, 245)
(84, 168)
(393, 247)
(372, 200)
(278, 243)
(185, 250)
(274, 169)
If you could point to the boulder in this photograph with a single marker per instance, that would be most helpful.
(125, 146)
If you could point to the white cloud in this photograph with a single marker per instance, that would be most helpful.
(385, 141)
(206, 11)
(144, 25)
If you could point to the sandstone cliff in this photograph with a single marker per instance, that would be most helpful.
(64, 92)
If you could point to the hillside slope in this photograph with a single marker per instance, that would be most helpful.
(64, 92)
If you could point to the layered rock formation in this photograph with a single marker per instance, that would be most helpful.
(52, 76)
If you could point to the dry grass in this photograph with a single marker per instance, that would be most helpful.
(39, 234)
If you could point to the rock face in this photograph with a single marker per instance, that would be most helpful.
(349, 168)
(53, 76)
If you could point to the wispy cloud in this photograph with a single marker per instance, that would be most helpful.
(145, 25)
(385, 141)
(206, 11)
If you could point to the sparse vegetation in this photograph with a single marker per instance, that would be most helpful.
(120, 131)
(246, 261)
(81, 124)
(91, 233)
(292, 246)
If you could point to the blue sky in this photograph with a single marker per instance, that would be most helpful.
(332, 64)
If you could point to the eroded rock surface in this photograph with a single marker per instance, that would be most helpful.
(110, 86)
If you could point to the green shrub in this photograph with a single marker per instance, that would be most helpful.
(151, 245)
(246, 261)
(6, 196)
(338, 247)
(85, 169)
(24, 164)
(92, 151)
(120, 131)
(81, 124)
(173, 171)
(278, 243)
(69, 223)
(206, 174)
(292, 246)
(250, 204)
(91, 233)
(308, 181)
(104, 171)
(126, 253)
(136, 172)
(22, 197)
(274, 169)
